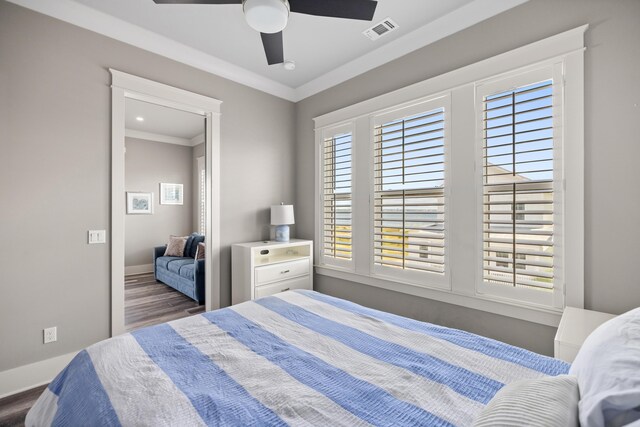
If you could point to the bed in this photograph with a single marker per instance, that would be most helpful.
(297, 358)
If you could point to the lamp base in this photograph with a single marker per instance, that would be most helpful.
(282, 233)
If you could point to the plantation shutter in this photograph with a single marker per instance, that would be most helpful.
(202, 200)
(518, 187)
(409, 195)
(337, 223)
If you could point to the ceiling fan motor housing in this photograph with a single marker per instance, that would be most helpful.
(266, 16)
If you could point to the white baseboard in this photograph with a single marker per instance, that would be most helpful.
(138, 269)
(26, 377)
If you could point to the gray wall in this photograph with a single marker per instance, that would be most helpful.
(147, 164)
(612, 144)
(55, 170)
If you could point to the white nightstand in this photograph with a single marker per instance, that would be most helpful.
(575, 326)
(260, 269)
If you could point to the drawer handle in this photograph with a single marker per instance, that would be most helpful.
(284, 272)
(285, 289)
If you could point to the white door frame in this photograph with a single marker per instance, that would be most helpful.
(124, 86)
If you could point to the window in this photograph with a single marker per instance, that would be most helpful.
(337, 224)
(202, 196)
(519, 142)
(424, 251)
(203, 201)
(519, 214)
(508, 255)
(409, 193)
(466, 188)
(502, 255)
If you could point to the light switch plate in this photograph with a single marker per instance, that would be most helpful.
(97, 236)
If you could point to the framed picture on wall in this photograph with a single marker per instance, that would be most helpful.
(139, 203)
(171, 194)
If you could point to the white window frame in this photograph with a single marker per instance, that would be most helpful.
(504, 83)
(463, 249)
(418, 278)
(331, 132)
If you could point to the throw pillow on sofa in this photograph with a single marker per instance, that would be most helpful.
(175, 247)
(200, 251)
(192, 244)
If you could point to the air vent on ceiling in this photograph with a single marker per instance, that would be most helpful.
(380, 29)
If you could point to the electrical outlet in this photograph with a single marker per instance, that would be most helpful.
(50, 334)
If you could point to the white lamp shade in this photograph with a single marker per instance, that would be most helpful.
(282, 214)
(266, 16)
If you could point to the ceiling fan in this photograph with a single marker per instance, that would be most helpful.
(270, 17)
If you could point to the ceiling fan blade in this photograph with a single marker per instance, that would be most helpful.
(273, 47)
(198, 1)
(350, 9)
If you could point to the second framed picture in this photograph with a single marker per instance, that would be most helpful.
(171, 194)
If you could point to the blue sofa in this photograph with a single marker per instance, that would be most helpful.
(184, 274)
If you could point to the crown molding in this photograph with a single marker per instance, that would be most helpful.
(107, 25)
(156, 137)
(198, 139)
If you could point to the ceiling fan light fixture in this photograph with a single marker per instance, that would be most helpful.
(266, 16)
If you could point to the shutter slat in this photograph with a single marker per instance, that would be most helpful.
(538, 254)
(523, 162)
(520, 262)
(519, 231)
(439, 254)
(519, 272)
(523, 201)
(407, 265)
(408, 121)
(521, 222)
(522, 122)
(527, 242)
(519, 282)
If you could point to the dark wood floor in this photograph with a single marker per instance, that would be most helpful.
(14, 408)
(148, 302)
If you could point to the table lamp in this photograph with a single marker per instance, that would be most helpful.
(281, 217)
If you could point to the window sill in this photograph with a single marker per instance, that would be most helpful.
(502, 307)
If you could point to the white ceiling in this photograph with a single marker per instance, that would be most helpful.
(162, 124)
(316, 44)
(217, 39)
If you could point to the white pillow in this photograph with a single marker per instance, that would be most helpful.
(548, 401)
(608, 371)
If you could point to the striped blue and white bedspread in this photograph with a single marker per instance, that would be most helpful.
(298, 358)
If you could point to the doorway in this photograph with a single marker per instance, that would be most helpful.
(129, 92)
(165, 185)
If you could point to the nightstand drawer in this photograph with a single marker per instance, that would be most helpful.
(281, 271)
(286, 285)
